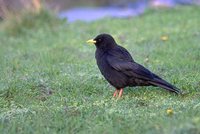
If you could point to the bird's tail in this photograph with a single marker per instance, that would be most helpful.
(163, 84)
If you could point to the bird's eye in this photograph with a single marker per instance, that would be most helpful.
(99, 40)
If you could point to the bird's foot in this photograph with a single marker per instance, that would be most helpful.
(118, 93)
(115, 93)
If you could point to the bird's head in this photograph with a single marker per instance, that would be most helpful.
(103, 41)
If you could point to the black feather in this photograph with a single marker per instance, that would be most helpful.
(120, 70)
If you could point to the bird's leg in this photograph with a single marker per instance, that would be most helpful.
(120, 93)
(115, 93)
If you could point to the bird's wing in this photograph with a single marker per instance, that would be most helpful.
(121, 63)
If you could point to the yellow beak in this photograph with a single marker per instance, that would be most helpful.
(91, 41)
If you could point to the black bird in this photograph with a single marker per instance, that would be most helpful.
(120, 70)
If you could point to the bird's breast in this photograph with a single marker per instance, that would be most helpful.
(115, 78)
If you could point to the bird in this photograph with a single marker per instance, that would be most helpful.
(121, 70)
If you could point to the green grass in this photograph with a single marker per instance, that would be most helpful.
(50, 82)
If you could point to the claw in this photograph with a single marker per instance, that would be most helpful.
(115, 93)
(118, 93)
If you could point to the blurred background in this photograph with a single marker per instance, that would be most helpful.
(88, 10)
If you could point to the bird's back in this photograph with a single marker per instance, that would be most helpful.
(119, 68)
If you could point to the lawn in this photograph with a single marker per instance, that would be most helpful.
(50, 82)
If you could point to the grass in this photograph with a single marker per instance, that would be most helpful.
(50, 82)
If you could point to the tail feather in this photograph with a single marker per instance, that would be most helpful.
(163, 84)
